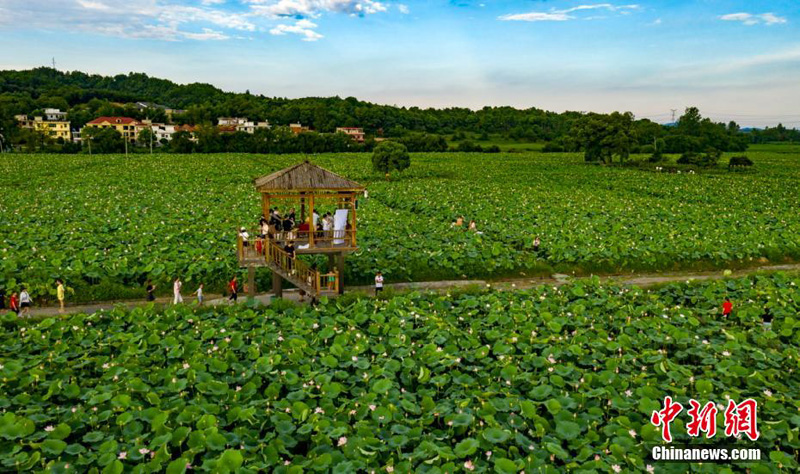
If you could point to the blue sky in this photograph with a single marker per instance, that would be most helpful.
(736, 60)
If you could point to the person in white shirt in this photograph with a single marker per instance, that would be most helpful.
(327, 226)
(199, 293)
(245, 237)
(316, 218)
(378, 283)
(25, 302)
(176, 290)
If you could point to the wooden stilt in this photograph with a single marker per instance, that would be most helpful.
(277, 285)
(251, 281)
(341, 273)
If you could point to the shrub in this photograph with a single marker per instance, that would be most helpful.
(552, 147)
(705, 160)
(740, 161)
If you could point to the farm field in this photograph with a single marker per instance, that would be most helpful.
(107, 223)
(545, 380)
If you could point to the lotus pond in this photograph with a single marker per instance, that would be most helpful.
(546, 380)
(110, 222)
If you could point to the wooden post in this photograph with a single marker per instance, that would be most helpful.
(277, 285)
(311, 228)
(266, 204)
(353, 229)
(341, 273)
(251, 281)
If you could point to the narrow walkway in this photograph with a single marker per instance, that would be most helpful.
(641, 280)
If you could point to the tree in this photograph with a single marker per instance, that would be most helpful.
(181, 142)
(603, 137)
(390, 156)
(102, 140)
(146, 137)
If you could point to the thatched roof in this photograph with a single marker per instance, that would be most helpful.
(305, 177)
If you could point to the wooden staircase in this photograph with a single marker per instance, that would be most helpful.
(299, 273)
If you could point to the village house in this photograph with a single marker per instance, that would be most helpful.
(53, 124)
(355, 133)
(167, 110)
(237, 124)
(297, 128)
(128, 127)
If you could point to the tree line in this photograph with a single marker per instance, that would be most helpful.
(600, 136)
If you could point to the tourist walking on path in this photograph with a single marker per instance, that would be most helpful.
(378, 283)
(199, 293)
(727, 307)
(60, 295)
(13, 303)
(234, 287)
(176, 290)
(151, 291)
(25, 302)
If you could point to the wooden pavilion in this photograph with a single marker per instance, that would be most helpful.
(307, 192)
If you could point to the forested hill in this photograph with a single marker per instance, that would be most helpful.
(22, 92)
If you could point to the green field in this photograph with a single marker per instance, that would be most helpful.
(107, 223)
(547, 380)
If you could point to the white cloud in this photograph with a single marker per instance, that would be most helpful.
(751, 19)
(314, 8)
(303, 28)
(93, 5)
(567, 14)
(207, 34)
(176, 20)
(402, 8)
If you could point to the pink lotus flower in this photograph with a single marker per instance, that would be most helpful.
(342, 441)
(469, 466)
(49, 428)
(144, 451)
(122, 455)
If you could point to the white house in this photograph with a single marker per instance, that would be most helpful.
(55, 115)
(241, 124)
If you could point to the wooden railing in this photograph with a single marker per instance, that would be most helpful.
(299, 270)
(261, 250)
(319, 239)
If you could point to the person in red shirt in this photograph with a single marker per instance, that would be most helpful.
(13, 303)
(727, 306)
(234, 289)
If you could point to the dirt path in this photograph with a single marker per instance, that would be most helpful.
(641, 280)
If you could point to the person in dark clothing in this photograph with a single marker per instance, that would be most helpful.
(151, 291)
(536, 243)
(2, 299)
(766, 318)
(289, 248)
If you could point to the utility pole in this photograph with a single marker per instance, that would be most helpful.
(673, 114)
(125, 139)
(54, 63)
